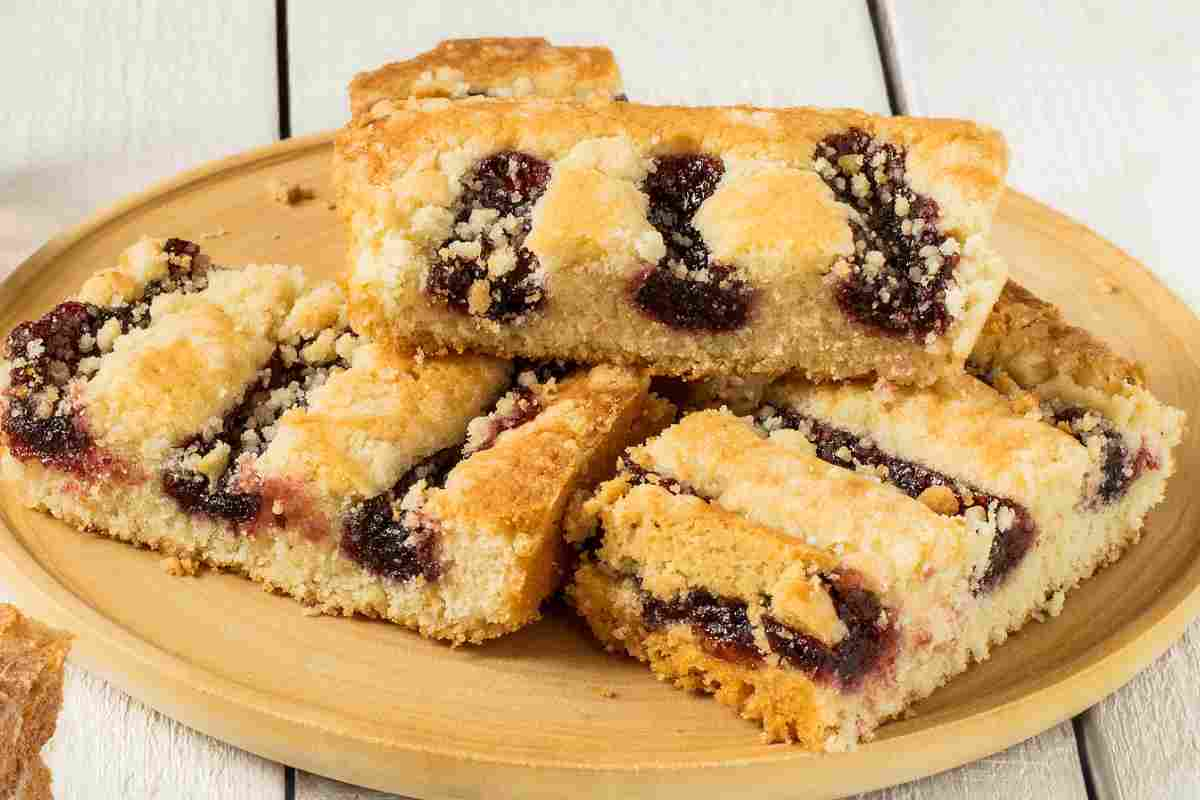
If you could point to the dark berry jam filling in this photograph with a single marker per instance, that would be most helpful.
(1015, 529)
(394, 543)
(720, 623)
(903, 264)
(403, 543)
(685, 290)
(1120, 467)
(46, 354)
(724, 630)
(484, 268)
(869, 641)
(637, 475)
(246, 430)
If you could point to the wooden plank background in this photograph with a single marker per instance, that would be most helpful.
(1095, 98)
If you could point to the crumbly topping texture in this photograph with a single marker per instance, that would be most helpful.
(787, 492)
(496, 67)
(1027, 342)
(702, 240)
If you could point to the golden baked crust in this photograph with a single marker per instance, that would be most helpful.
(959, 163)
(161, 384)
(782, 486)
(499, 67)
(771, 219)
(32, 656)
(368, 424)
(960, 425)
(1027, 342)
(236, 421)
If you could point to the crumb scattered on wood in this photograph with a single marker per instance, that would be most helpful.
(217, 234)
(332, 206)
(288, 193)
(607, 692)
(311, 611)
(277, 236)
(179, 567)
(1105, 286)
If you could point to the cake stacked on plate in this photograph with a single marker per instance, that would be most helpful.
(878, 459)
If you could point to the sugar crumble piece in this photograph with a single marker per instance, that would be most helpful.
(940, 500)
(288, 193)
(178, 567)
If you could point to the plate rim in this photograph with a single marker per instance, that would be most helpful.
(103, 646)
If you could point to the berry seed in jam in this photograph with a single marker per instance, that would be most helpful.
(484, 268)
(685, 290)
(903, 266)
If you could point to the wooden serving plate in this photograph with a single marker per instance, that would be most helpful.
(545, 712)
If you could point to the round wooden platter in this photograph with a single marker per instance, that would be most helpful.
(545, 712)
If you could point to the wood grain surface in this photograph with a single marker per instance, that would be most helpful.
(101, 100)
(405, 714)
(1091, 95)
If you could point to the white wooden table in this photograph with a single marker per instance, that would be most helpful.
(1100, 103)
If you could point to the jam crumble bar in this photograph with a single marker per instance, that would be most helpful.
(813, 599)
(927, 524)
(229, 416)
(695, 242)
(496, 67)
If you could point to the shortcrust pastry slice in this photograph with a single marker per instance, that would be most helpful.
(495, 67)
(704, 241)
(813, 599)
(229, 416)
(962, 517)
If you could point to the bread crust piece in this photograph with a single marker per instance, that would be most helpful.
(493, 66)
(399, 175)
(32, 656)
(33, 783)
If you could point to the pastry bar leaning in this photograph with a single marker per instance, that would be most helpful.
(229, 416)
(695, 241)
(850, 547)
(497, 67)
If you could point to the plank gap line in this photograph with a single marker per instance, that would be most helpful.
(282, 72)
(885, 40)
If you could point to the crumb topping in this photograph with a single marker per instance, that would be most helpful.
(49, 355)
(1009, 523)
(686, 289)
(203, 475)
(484, 269)
(900, 278)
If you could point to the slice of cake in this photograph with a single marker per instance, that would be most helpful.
(704, 241)
(496, 67)
(228, 416)
(32, 656)
(850, 547)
